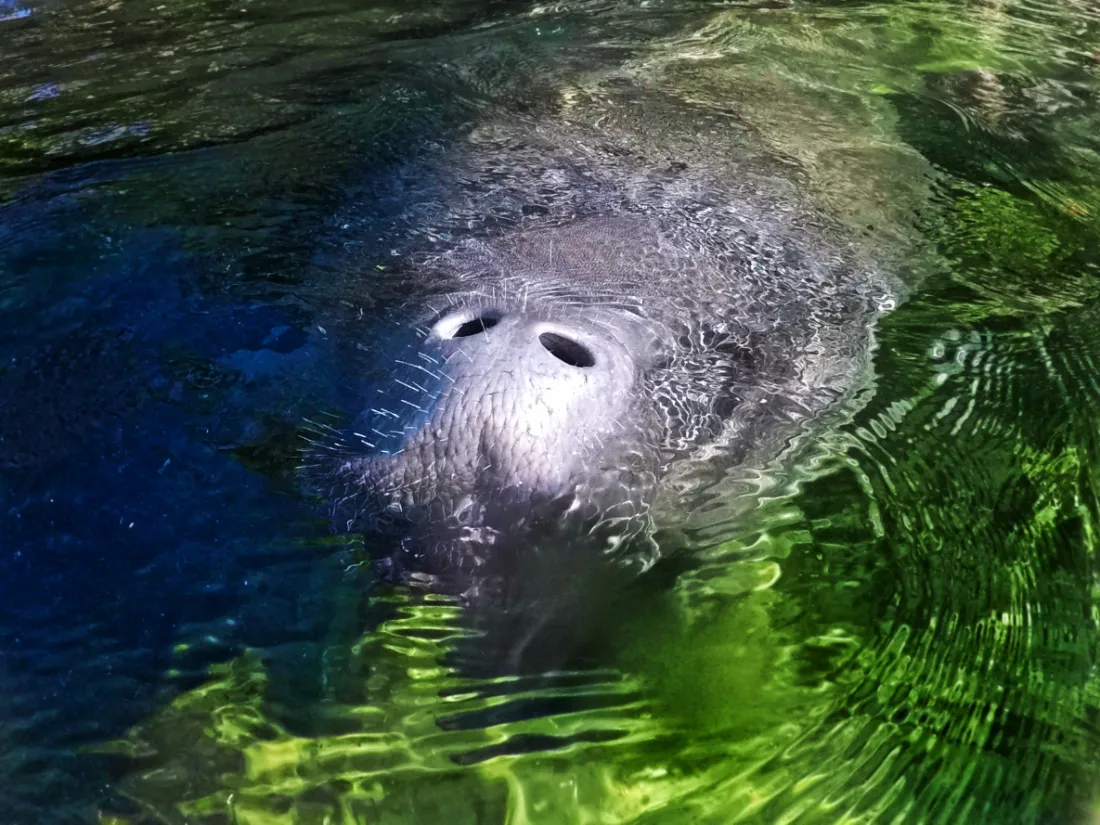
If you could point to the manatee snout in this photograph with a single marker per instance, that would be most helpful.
(504, 415)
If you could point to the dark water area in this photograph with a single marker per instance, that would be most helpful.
(902, 628)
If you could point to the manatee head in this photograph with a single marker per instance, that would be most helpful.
(601, 318)
(558, 381)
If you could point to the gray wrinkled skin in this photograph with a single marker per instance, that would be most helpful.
(608, 306)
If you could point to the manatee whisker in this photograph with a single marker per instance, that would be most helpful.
(410, 386)
(424, 370)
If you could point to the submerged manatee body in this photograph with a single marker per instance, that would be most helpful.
(608, 306)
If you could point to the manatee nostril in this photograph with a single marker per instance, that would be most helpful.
(474, 326)
(567, 350)
(463, 326)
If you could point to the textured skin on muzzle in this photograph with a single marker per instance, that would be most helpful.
(497, 416)
(508, 416)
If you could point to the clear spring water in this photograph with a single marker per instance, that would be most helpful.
(907, 634)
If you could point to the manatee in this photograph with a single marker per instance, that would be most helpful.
(607, 304)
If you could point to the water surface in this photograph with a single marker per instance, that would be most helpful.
(900, 630)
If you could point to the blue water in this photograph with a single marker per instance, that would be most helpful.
(127, 517)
